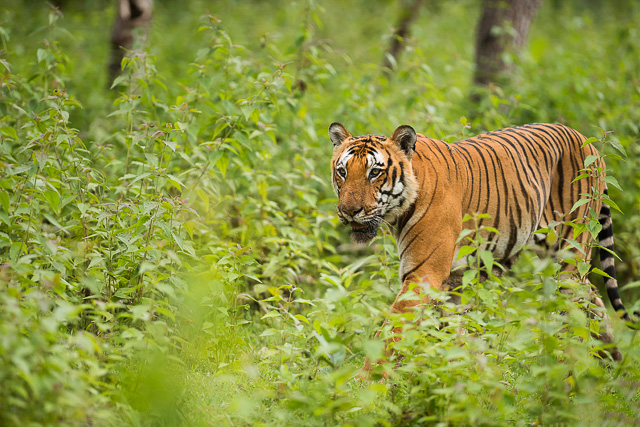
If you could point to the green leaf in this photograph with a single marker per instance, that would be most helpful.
(41, 158)
(579, 177)
(172, 144)
(165, 312)
(42, 54)
(465, 250)
(178, 241)
(72, 102)
(464, 233)
(272, 313)
(574, 244)
(175, 180)
(138, 178)
(214, 156)
(612, 181)
(583, 267)
(251, 276)
(589, 141)
(61, 228)
(118, 80)
(600, 272)
(4, 201)
(223, 163)
(492, 230)
(618, 147)
(83, 208)
(468, 277)
(53, 198)
(487, 259)
(594, 228)
(579, 203)
(268, 333)
(219, 129)
(247, 112)
(95, 261)
(590, 159)
(302, 318)
(602, 248)
(9, 131)
(62, 137)
(611, 203)
(207, 325)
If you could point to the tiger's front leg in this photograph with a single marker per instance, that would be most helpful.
(408, 300)
(432, 270)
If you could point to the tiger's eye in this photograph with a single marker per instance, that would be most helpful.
(375, 172)
(342, 171)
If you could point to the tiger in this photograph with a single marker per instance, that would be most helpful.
(523, 177)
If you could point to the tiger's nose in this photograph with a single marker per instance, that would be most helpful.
(349, 210)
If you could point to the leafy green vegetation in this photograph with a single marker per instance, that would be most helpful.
(169, 252)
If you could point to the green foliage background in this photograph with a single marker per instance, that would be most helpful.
(169, 250)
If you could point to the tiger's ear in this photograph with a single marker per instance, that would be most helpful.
(338, 133)
(405, 138)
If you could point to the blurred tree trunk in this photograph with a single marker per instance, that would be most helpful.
(408, 14)
(58, 3)
(503, 28)
(130, 14)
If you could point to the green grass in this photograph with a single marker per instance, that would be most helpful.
(169, 250)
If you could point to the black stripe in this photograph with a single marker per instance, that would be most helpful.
(560, 168)
(487, 191)
(513, 231)
(408, 245)
(404, 276)
(402, 221)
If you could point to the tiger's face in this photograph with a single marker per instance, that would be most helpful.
(372, 177)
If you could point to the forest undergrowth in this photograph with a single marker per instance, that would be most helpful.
(169, 251)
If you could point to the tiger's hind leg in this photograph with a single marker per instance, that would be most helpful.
(606, 333)
(605, 239)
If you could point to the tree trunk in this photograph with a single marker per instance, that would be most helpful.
(408, 14)
(130, 14)
(503, 28)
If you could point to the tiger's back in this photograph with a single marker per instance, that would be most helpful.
(522, 177)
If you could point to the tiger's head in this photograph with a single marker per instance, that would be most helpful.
(372, 177)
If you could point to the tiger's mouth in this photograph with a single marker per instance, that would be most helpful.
(358, 227)
(363, 233)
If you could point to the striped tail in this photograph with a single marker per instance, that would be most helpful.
(607, 259)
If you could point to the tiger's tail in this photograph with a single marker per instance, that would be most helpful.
(607, 258)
